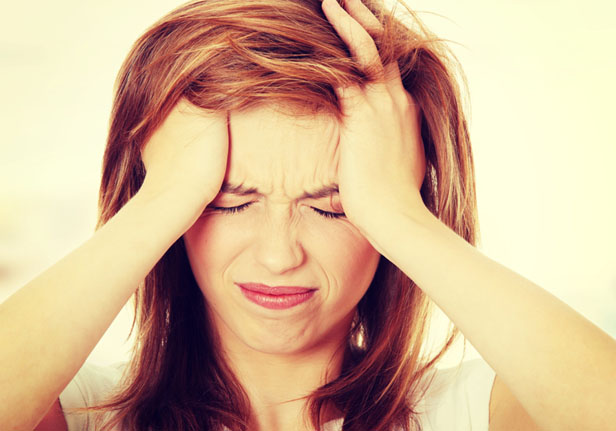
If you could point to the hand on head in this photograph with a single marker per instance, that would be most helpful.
(382, 161)
(381, 157)
(187, 155)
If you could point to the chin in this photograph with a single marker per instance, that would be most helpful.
(277, 339)
(276, 349)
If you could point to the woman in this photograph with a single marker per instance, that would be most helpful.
(298, 188)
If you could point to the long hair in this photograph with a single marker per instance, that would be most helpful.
(232, 55)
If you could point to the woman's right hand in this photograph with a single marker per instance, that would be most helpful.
(186, 157)
(186, 160)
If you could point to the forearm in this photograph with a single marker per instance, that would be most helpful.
(49, 327)
(560, 366)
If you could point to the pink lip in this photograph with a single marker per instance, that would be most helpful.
(276, 297)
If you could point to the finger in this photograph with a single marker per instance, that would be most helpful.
(357, 39)
(394, 83)
(360, 12)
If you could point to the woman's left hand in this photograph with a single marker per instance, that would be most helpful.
(382, 162)
(542, 366)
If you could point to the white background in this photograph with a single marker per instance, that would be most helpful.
(541, 78)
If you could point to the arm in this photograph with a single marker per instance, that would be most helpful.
(49, 326)
(559, 365)
(54, 419)
(506, 412)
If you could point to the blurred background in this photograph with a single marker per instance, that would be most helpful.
(542, 91)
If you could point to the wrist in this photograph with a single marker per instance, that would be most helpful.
(379, 214)
(384, 225)
(172, 210)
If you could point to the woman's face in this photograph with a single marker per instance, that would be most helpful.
(279, 273)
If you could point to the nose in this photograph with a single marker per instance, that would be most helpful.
(278, 247)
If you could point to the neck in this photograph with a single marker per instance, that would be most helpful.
(278, 385)
(278, 389)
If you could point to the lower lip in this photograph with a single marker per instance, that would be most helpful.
(277, 302)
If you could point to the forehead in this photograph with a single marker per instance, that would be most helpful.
(273, 150)
(268, 130)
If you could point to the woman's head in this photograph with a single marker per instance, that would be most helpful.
(277, 223)
(254, 59)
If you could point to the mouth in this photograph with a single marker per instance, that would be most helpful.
(276, 297)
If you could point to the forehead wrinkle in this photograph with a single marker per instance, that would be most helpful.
(285, 220)
(243, 190)
(285, 165)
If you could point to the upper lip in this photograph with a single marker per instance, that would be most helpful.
(275, 290)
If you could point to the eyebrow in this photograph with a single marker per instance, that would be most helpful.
(241, 190)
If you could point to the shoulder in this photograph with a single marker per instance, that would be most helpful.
(90, 386)
(458, 398)
(455, 399)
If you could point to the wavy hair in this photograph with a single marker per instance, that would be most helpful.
(232, 55)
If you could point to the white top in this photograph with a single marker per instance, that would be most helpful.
(457, 400)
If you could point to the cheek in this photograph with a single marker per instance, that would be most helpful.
(347, 258)
(211, 245)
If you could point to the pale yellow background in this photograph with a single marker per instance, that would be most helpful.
(541, 77)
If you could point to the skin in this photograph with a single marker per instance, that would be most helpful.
(281, 238)
(542, 368)
(555, 370)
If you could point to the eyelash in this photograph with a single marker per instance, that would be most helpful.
(240, 208)
(328, 214)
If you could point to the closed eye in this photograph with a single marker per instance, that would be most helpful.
(240, 208)
(232, 210)
(328, 214)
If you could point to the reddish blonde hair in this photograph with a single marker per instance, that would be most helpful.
(229, 55)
